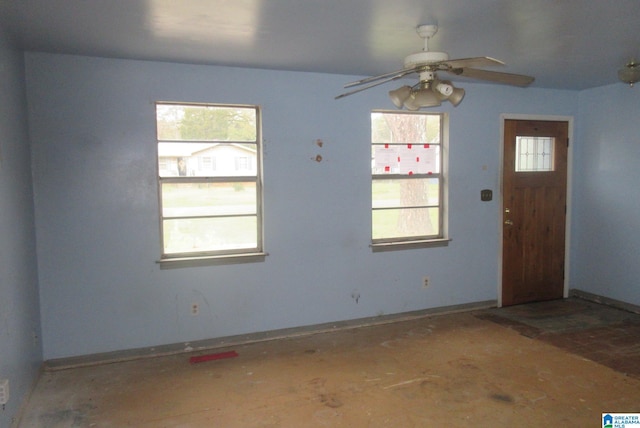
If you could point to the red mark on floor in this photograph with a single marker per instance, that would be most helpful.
(210, 357)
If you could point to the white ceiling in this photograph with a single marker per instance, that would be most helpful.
(564, 44)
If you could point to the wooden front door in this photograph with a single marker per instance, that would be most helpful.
(534, 210)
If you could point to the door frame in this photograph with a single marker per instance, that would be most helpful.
(567, 240)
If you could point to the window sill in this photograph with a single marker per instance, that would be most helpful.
(226, 259)
(408, 245)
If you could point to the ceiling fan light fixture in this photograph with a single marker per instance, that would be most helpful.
(456, 96)
(422, 97)
(444, 89)
(630, 73)
(400, 95)
(426, 94)
(411, 104)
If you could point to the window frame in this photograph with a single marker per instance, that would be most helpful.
(232, 255)
(407, 242)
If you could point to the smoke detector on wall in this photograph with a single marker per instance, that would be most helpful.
(630, 73)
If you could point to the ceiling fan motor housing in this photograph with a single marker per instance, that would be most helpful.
(424, 58)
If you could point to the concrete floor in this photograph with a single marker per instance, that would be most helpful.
(470, 369)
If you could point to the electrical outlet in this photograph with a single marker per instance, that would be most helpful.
(195, 309)
(4, 391)
(425, 281)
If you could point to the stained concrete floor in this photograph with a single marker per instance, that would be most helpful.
(491, 368)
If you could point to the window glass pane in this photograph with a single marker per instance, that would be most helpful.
(405, 193)
(209, 234)
(405, 159)
(205, 199)
(534, 154)
(405, 223)
(206, 123)
(403, 128)
(207, 159)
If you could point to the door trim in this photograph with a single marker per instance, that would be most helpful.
(567, 237)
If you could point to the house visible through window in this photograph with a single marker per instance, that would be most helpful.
(209, 206)
(407, 177)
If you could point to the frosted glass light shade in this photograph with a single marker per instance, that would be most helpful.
(400, 95)
(424, 97)
(456, 96)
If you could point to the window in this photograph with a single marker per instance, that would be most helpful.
(209, 206)
(534, 154)
(207, 163)
(407, 177)
(243, 163)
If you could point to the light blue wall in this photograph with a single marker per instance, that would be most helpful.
(606, 227)
(93, 136)
(20, 346)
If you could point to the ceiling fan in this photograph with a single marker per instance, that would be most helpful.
(430, 91)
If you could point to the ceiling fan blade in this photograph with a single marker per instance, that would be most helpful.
(481, 61)
(398, 73)
(372, 85)
(494, 76)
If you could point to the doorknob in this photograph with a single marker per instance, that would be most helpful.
(508, 222)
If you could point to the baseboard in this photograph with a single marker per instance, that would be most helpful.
(619, 304)
(209, 344)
